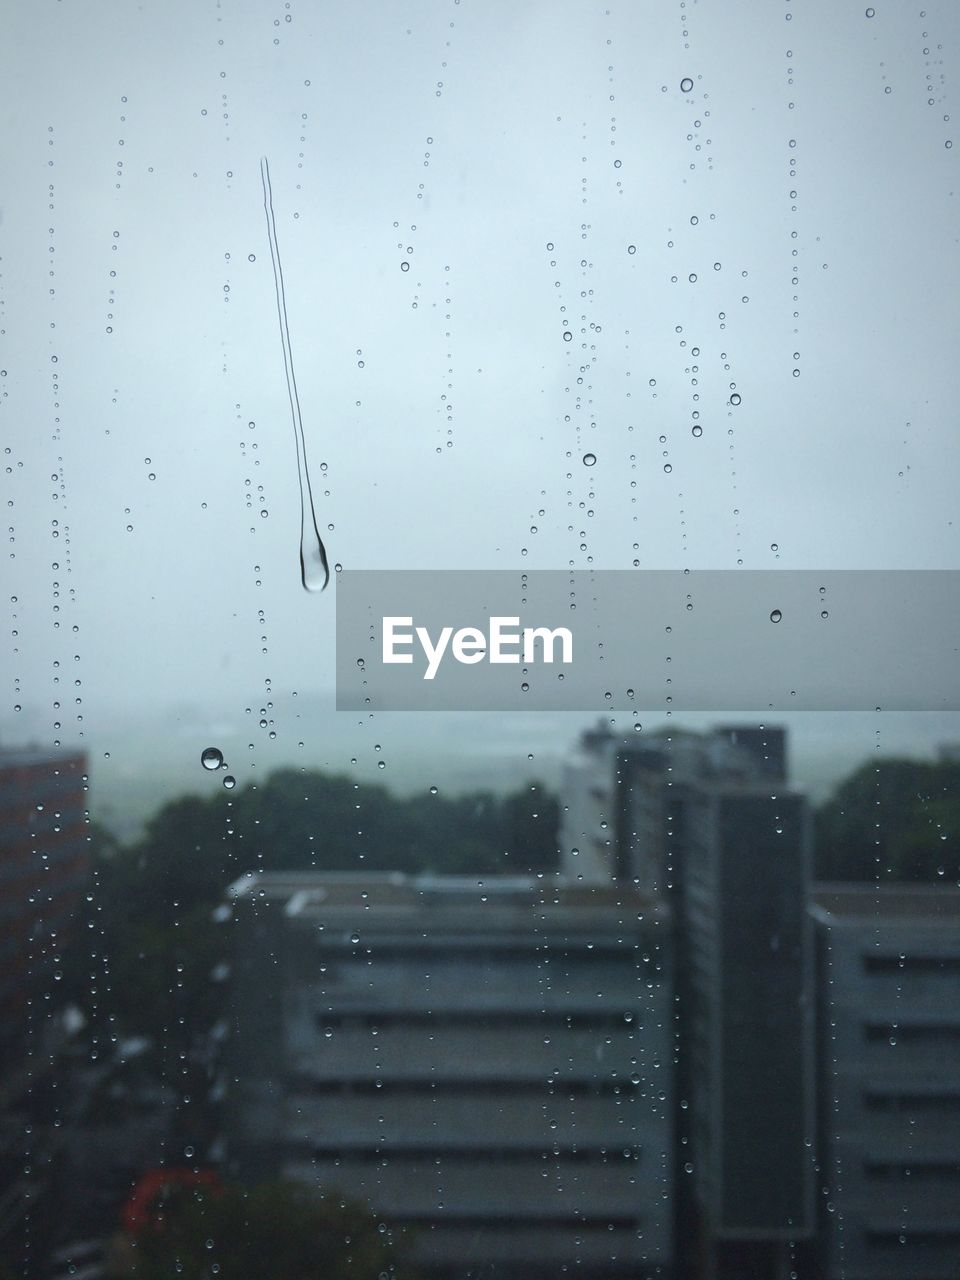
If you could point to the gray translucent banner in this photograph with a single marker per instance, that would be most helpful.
(696, 640)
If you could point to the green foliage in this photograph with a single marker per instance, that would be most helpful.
(153, 946)
(892, 820)
(298, 820)
(277, 1231)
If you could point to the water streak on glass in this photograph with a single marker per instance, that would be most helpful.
(314, 569)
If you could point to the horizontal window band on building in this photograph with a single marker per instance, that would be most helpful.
(484, 1087)
(495, 1155)
(929, 1236)
(481, 1019)
(34, 826)
(443, 951)
(912, 963)
(518, 1221)
(913, 1170)
(913, 1032)
(880, 1100)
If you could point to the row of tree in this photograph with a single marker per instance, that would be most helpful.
(151, 912)
(892, 820)
(149, 945)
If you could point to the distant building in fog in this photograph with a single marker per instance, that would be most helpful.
(489, 1064)
(44, 866)
(610, 784)
(889, 999)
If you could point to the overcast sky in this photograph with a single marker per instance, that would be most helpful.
(538, 168)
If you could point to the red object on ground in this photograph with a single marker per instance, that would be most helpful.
(142, 1209)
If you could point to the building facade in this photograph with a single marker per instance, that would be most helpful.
(487, 1065)
(44, 872)
(707, 825)
(44, 868)
(889, 1062)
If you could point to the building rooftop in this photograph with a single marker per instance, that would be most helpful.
(833, 903)
(477, 902)
(19, 757)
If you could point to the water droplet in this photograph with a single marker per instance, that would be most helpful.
(870, 12)
(697, 431)
(211, 758)
(631, 248)
(567, 335)
(686, 85)
(589, 459)
(229, 782)
(735, 398)
(776, 615)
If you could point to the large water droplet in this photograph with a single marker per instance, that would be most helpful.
(211, 758)
(589, 459)
(776, 615)
(686, 85)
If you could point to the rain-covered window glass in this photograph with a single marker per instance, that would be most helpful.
(660, 980)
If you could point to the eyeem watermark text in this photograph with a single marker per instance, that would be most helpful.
(738, 640)
(503, 642)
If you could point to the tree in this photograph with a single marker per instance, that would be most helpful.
(894, 820)
(146, 947)
(276, 1231)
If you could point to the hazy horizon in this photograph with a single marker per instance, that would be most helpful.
(137, 767)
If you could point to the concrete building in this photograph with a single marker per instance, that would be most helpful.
(588, 837)
(615, 794)
(708, 826)
(44, 866)
(746, 1020)
(889, 1060)
(44, 870)
(487, 1064)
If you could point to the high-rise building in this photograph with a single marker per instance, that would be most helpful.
(708, 825)
(889, 1063)
(44, 866)
(745, 1017)
(487, 1064)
